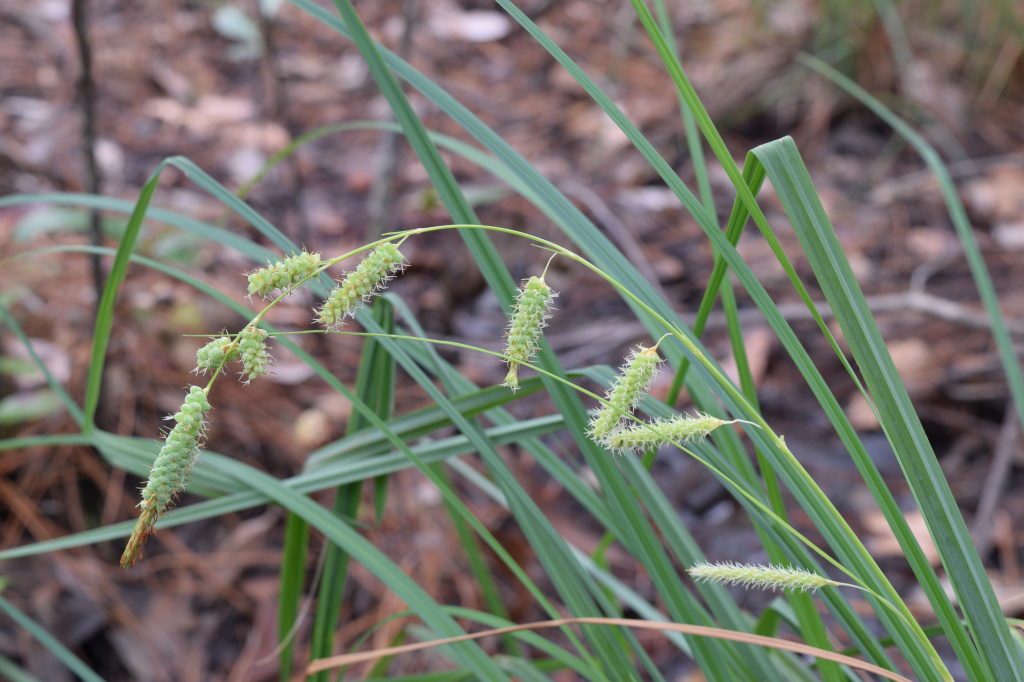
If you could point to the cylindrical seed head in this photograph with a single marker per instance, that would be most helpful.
(638, 437)
(366, 280)
(215, 354)
(634, 380)
(529, 316)
(283, 274)
(252, 349)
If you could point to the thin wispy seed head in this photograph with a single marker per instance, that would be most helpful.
(638, 437)
(764, 577)
(634, 380)
(529, 315)
(361, 284)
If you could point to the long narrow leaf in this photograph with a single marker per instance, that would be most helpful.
(898, 418)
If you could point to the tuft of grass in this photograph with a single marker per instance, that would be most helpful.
(625, 498)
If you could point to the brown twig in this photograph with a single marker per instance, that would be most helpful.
(696, 630)
(995, 481)
(87, 98)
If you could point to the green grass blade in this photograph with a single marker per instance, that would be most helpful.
(600, 250)
(292, 585)
(478, 567)
(331, 476)
(955, 207)
(440, 175)
(558, 562)
(52, 644)
(753, 175)
(198, 228)
(465, 653)
(9, 670)
(69, 404)
(375, 386)
(44, 441)
(105, 312)
(898, 418)
(694, 144)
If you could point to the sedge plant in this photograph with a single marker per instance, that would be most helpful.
(584, 600)
(612, 426)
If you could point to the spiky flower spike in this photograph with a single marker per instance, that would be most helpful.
(283, 274)
(359, 285)
(765, 577)
(215, 354)
(638, 437)
(252, 348)
(529, 316)
(635, 379)
(170, 470)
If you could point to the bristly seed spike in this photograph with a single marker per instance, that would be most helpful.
(640, 436)
(529, 315)
(634, 380)
(361, 284)
(170, 470)
(283, 274)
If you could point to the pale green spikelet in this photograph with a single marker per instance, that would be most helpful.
(283, 274)
(764, 577)
(634, 380)
(252, 349)
(359, 285)
(529, 316)
(169, 473)
(637, 437)
(215, 354)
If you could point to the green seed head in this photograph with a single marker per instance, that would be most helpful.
(634, 380)
(366, 280)
(215, 354)
(283, 274)
(765, 577)
(252, 349)
(638, 437)
(529, 316)
(169, 473)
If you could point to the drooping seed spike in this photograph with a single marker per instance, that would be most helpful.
(170, 470)
(369, 277)
(215, 354)
(638, 436)
(283, 274)
(252, 349)
(768, 577)
(529, 316)
(634, 380)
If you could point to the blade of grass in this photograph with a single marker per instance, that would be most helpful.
(337, 474)
(373, 559)
(52, 644)
(13, 672)
(292, 586)
(478, 567)
(242, 245)
(105, 311)
(72, 407)
(375, 386)
(923, 665)
(500, 281)
(975, 260)
(897, 416)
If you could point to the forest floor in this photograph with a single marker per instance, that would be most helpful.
(181, 79)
